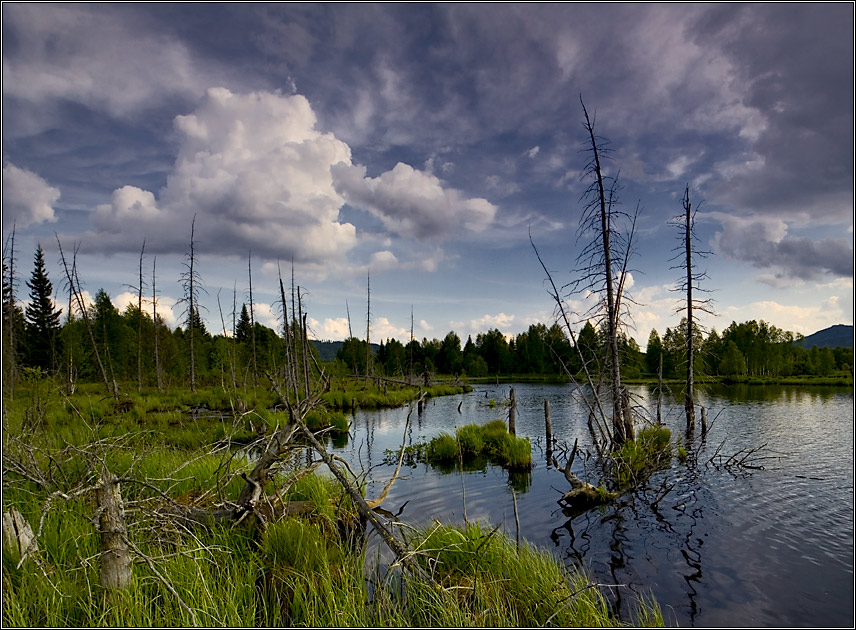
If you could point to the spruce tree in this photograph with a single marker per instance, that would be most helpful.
(244, 328)
(41, 320)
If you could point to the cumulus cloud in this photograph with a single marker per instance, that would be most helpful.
(412, 203)
(383, 260)
(27, 198)
(330, 328)
(255, 170)
(764, 242)
(258, 175)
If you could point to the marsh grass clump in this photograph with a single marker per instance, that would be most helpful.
(442, 449)
(637, 460)
(320, 419)
(472, 442)
(496, 584)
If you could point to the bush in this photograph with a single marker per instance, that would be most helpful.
(637, 460)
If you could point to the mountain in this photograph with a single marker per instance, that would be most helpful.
(838, 336)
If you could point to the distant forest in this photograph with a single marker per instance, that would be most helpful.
(135, 347)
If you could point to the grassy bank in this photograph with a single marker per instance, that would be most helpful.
(297, 572)
(308, 566)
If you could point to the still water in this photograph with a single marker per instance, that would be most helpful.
(726, 546)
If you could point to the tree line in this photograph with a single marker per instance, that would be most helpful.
(37, 337)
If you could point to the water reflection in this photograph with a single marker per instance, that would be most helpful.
(715, 545)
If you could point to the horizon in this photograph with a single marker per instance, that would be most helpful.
(419, 146)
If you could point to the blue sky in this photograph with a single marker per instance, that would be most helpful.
(421, 143)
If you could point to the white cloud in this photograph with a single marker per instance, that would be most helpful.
(412, 203)
(383, 329)
(487, 321)
(94, 56)
(27, 198)
(383, 260)
(799, 319)
(264, 314)
(335, 329)
(255, 170)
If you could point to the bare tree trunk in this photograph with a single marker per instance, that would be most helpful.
(140, 322)
(368, 325)
(512, 413)
(192, 303)
(158, 372)
(115, 556)
(620, 426)
(689, 403)
(10, 323)
(660, 390)
(252, 320)
(73, 282)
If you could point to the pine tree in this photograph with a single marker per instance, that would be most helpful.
(243, 329)
(41, 320)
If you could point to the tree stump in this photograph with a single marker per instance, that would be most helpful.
(115, 557)
(18, 536)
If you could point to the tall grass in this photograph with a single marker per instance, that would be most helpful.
(491, 441)
(637, 460)
(307, 570)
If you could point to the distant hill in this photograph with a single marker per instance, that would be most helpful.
(838, 336)
(327, 349)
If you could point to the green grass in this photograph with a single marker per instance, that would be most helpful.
(473, 442)
(637, 460)
(306, 570)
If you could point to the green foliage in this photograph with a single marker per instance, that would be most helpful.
(499, 585)
(320, 419)
(41, 329)
(471, 442)
(638, 459)
(442, 449)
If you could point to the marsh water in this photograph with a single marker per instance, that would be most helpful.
(767, 545)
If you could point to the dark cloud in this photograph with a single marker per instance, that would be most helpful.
(795, 65)
(765, 244)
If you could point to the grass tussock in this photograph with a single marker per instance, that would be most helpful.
(491, 442)
(637, 460)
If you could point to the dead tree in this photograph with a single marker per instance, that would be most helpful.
(689, 281)
(139, 289)
(368, 325)
(115, 555)
(602, 265)
(252, 319)
(158, 372)
(74, 287)
(191, 280)
(10, 362)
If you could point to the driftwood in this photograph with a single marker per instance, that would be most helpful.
(582, 494)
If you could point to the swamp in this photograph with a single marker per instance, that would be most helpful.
(748, 524)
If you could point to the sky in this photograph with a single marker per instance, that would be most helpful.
(416, 147)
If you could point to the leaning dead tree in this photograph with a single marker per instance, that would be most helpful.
(689, 282)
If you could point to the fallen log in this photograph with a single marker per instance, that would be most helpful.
(582, 494)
